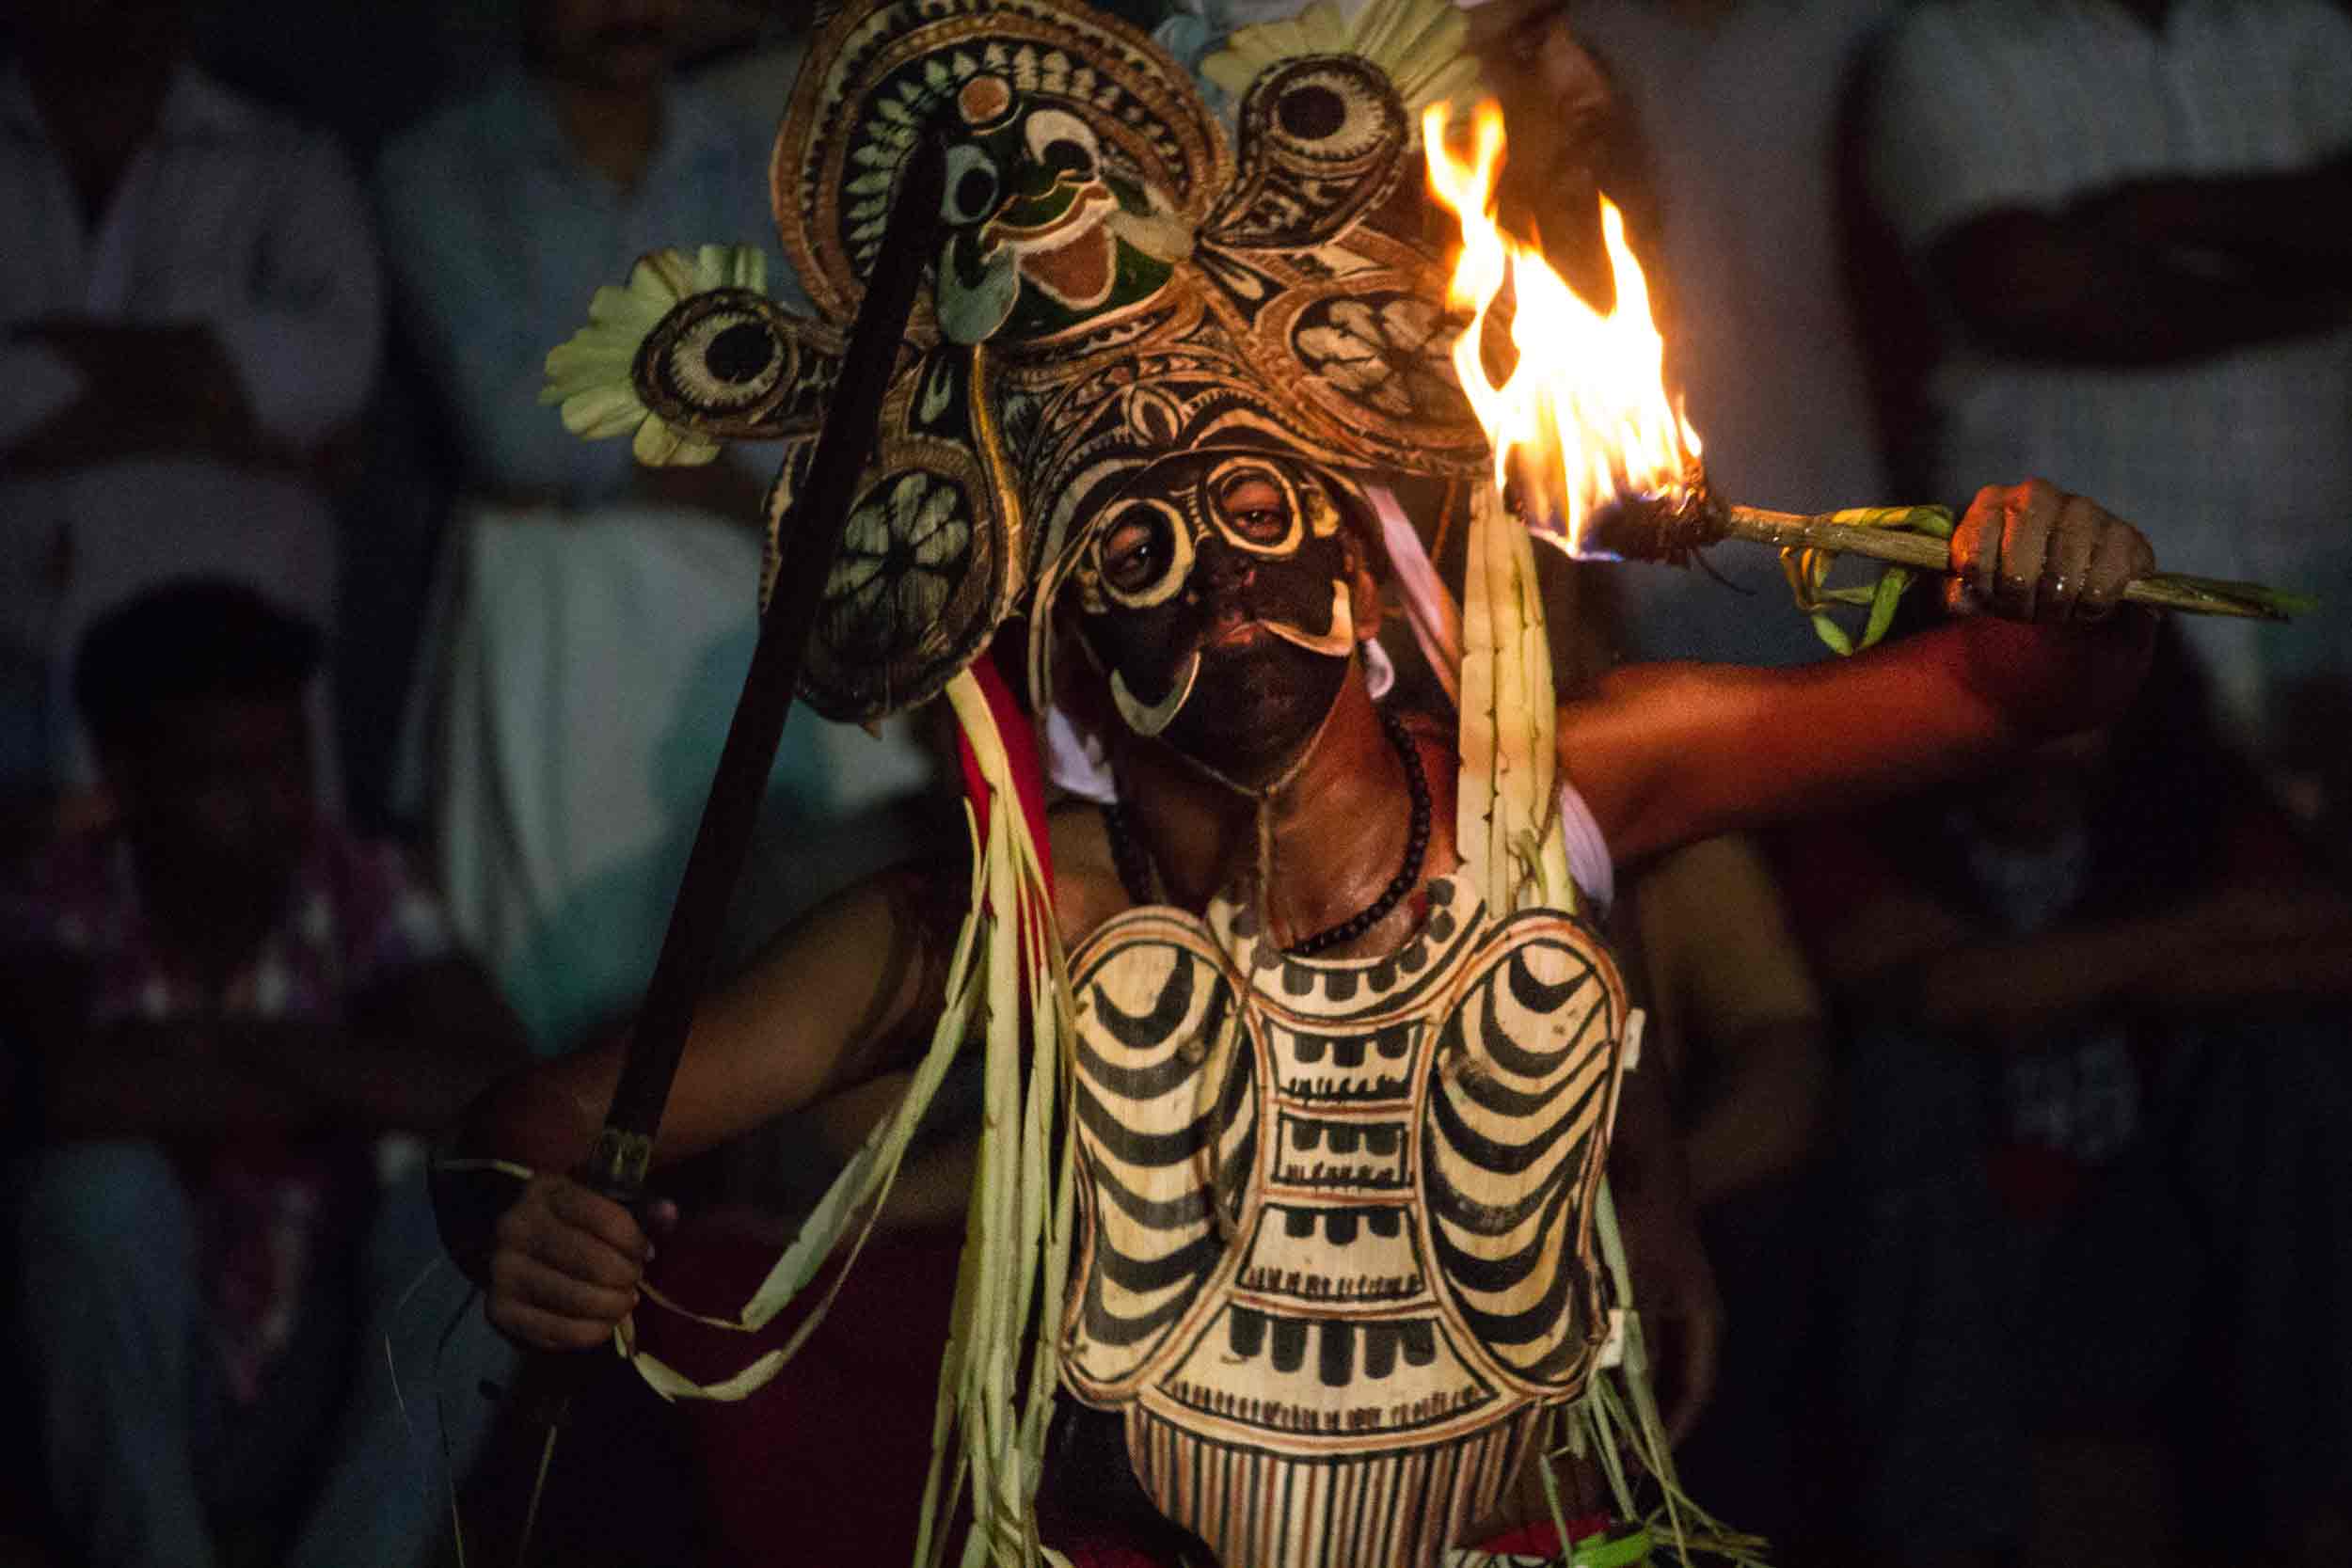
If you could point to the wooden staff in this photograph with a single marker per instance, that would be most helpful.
(809, 536)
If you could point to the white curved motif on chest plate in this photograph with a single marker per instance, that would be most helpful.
(1338, 1214)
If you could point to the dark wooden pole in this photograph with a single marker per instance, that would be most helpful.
(809, 537)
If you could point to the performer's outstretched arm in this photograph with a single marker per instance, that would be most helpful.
(1668, 753)
(832, 1001)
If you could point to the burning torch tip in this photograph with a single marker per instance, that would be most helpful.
(1655, 524)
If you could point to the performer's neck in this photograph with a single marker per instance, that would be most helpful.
(1336, 826)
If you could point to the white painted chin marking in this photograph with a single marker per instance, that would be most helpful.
(1151, 719)
(1335, 643)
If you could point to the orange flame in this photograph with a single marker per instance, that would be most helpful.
(1583, 416)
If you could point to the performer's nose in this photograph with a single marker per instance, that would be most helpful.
(1221, 566)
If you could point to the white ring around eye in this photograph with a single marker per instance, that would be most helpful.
(1323, 513)
(1162, 588)
(1236, 470)
(688, 363)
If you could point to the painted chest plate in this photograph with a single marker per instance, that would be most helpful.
(1336, 1247)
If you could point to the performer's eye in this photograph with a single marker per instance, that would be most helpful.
(1136, 552)
(1257, 509)
(1144, 555)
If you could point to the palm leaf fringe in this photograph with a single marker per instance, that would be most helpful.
(1507, 825)
(1008, 982)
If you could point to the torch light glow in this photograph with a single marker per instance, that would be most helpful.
(1584, 419)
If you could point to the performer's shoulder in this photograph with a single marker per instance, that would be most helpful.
(1086, 886)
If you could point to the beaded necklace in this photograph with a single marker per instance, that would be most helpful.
(1141, 879)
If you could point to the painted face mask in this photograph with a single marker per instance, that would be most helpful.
(1046, 232)
(1213, 593)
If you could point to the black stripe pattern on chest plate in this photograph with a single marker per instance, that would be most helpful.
(1336, 1216)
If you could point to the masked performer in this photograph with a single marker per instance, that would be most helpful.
(1304, 989)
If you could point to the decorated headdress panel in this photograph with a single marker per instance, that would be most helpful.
(1119, 276)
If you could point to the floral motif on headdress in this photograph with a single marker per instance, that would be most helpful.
(592, 375)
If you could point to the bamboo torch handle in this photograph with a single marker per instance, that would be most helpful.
(1926, 553)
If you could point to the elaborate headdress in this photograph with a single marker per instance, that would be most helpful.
(1121, 277)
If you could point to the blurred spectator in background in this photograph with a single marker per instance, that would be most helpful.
(188, 316)
(749, 77)
(595, 616)
(1727, 114)
(506, 211)
(1572, 137)
(2096, 1130)
(1738, 1026)
(2126, 214)
(228, 1280)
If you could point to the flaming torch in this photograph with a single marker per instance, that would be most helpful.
(1600, 462)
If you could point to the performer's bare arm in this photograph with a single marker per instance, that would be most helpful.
(821, 1009)
(1668, 753)
(844, 995)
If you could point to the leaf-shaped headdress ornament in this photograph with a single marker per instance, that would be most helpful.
(1122, 277)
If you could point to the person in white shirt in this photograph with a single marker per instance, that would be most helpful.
(2128, 216)
(188, 316)
(505, 211)
(593, 626)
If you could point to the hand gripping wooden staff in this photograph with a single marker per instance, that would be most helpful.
(808, 537)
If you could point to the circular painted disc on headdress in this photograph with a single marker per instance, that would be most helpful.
(1324, 274)
(920, 581)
